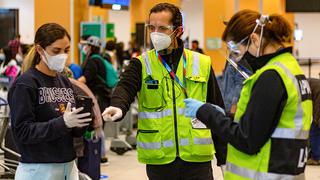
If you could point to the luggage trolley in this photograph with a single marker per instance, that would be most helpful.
(9, 165)
(5, 82)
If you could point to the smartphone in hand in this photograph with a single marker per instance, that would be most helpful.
(85, 102)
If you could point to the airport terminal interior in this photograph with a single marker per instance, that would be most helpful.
(70, 68)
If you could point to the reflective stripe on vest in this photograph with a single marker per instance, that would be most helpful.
(155, 145)
(195, 64)
(251, 174)
(146, 61)
(151, 145)
(158, 115)
(168, 143)
(184, 142)
(297, 132)
(290, 133)
(196, 141)
(181, 111)
(154, 115)
(202, 141)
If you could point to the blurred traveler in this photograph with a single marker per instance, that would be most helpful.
(195, 47)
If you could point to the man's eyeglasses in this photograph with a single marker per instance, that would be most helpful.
(162, 29)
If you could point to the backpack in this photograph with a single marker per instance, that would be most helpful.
(111, 79)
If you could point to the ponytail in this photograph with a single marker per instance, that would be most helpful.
(31, 59)
(278, 29)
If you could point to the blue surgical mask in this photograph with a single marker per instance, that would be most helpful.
(2, 57)
(80, 46)
(19, 58)
(85, 49)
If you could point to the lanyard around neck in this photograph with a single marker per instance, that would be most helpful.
(173, 75)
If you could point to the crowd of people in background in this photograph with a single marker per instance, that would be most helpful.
(12, 55)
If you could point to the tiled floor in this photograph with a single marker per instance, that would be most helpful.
(127, 167)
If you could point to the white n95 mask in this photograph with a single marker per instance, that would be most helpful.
(160, 41)
(2, 57)
(57, 62)
(19, 58)
(85, 49)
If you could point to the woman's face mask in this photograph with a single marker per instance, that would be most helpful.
(248, 57)
(241, 51)
(80, 46)
(2, 57)
(56, 62)
(19, 58)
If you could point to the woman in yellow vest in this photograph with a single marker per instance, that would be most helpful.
(268, 137)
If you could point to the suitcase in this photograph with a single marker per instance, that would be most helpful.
(90, 162)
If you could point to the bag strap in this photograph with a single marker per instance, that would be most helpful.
(102, 60)
(97, 56)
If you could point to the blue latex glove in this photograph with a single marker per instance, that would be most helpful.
(192, 107)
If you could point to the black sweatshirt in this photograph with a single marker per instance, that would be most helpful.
(130, 84)
(267, 101)
(37, 102)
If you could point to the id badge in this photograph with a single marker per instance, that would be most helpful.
(152, 84)
(197, 124)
